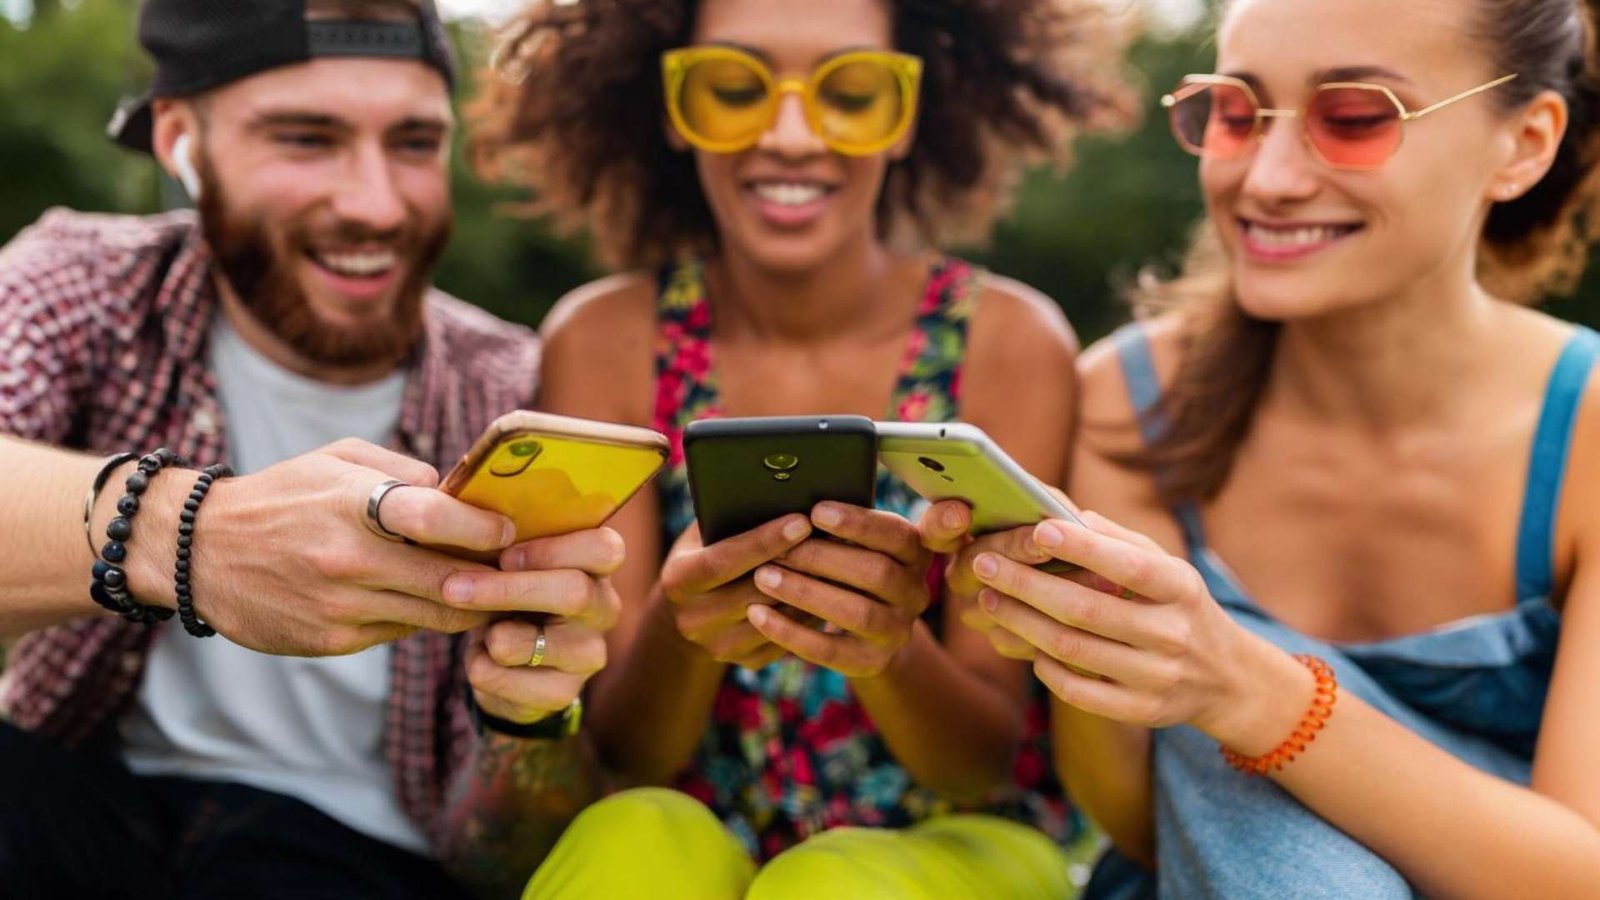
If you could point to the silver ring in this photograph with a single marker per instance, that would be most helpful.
(375, 506)
(539, 645)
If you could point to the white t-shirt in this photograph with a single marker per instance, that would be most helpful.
(309, 728)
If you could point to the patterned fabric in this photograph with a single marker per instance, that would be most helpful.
(791, 752)
(103, 323)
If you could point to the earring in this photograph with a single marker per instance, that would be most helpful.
(1509, 192)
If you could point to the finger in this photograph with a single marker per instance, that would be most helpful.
(819, 649)
(1015, 543)
(873, 529)
(943, 526)
(852, 612)
(519, 694)
(1149, 571)
(699, 570)
(702, 616)
(1004, 642)
(391, 609)
(1105, 699)
(873, 573)
(1109, 528)
(1076, 647)
(563, 592)
(1067, 602)
(598, 551)
(568, 647)
(430, 517)
(395, 465)
(767, 654)
(738, 642)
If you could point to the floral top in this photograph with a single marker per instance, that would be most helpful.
(790, 751)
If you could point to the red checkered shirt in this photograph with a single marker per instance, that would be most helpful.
(103, 324)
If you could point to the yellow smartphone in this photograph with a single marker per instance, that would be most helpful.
(556, 474)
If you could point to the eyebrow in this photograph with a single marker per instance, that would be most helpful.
(306, 119)
(765, 57)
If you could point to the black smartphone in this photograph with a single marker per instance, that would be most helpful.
(744, 473)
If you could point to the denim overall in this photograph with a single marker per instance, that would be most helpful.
(1475, 687)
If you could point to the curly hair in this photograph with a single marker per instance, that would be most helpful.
(571, 108)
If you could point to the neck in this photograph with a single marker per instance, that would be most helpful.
(840, 297)
(261, 339)
(1391, 364)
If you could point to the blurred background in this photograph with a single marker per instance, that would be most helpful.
(1079, 236)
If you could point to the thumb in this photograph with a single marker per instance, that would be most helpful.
(943, 526)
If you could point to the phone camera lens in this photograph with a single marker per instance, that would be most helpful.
(932, 465)
(781, 462)
(524, 448)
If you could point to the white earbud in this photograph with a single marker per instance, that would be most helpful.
(183, 161)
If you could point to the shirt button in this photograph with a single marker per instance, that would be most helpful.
(131, 662)
(129, 360)
(205, 422)
(424, 446)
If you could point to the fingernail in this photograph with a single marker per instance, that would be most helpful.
(986, 565)
(458, 590)
(951, 517)
(827, 515)
(757, 615)
(796, 529)
(989, 600)
(508, 533)
(768, 577)
(514, 560)
(1049, 534)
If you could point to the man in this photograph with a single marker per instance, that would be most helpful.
(293, 311)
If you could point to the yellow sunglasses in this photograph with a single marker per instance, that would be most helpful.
(722, 100)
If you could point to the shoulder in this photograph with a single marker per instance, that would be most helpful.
(481, 347)
(604, 328)
(1103, 378)
(1013, 318)
(94, 258)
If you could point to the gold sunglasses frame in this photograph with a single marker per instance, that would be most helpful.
(675, 65)
(1170, 101)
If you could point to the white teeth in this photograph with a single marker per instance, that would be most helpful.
(789, 194)
(358, 265)
(1304, 236)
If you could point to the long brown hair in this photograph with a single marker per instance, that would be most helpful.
(1534, 245)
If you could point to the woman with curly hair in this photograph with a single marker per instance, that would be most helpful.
(776, 178)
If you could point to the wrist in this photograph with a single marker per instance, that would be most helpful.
(152, 548)
(902, 658)
(1268, 697)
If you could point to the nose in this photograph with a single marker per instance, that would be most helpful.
(1283, 166)
(790, 134)
(367, 194)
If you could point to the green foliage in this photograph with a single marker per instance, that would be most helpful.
(1078, 236)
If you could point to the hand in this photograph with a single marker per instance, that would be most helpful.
(564, 580)
(871, 593)
(943, 529)
(285, 563)
(708, 591)
(1135, 637)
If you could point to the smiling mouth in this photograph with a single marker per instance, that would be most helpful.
(790, 193)
(373, 264)
(1291, 238)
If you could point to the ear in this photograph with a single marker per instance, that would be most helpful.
(674, 139)
(171, 120)
(1530, 142)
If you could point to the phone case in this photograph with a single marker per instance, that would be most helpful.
(956, 461)
(746, 472)
(556, 474)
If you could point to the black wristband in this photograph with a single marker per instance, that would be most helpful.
(108, 585)
(181, 568)
(100, 480)
(560, 724)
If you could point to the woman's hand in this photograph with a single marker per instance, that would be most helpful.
(709, 592)
(1135, 637)
(943, 529)
(868, 593)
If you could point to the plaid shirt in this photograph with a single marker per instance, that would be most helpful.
(103, 324)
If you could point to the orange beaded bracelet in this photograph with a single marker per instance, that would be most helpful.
(1317, 716)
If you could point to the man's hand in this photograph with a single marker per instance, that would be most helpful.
(286, 564)
(562, 591)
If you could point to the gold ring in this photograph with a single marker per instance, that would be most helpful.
(539, 644)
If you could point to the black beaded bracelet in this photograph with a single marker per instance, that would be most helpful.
(100, 479)
(191, 509)
(108, 584)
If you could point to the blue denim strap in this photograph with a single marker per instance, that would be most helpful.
(1547, 466)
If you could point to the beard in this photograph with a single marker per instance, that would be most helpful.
(259, 263)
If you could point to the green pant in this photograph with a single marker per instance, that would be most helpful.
(662, 845)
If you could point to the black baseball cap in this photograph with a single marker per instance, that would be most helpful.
(201, 44)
